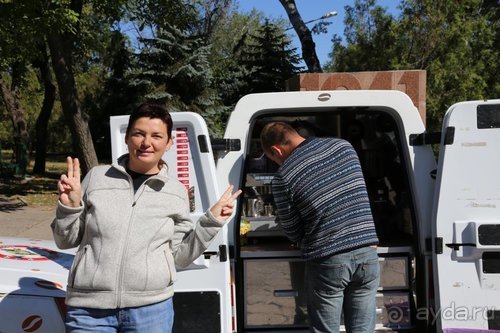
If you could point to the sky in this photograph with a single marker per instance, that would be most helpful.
(310, 10)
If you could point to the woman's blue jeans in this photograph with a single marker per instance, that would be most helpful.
(347, 282)
(154, 318)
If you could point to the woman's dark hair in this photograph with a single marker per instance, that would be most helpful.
(151, 110)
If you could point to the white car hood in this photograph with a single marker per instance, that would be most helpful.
(33, 267)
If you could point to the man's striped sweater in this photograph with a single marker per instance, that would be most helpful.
(321, 198)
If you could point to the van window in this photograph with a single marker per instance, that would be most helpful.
(488, 116)
(197, 312)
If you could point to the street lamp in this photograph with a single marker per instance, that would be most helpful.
(325, 16)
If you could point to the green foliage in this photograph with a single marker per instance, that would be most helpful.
(113, 93)
(59, 137)
(24, 26)
(31, 99)
(174, 68)
(228, 37)
(456, 42)
(268, 59)
(158, 14)
(172, 64)
(5, 127)
(196, 55)
(262, 62)
(370, 36)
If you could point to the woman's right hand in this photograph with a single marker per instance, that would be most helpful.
(70, 191)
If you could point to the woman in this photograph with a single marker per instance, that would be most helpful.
(132, 225)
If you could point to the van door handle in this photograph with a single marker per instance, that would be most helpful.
(222, 253)
(456, 246)
(208, 254)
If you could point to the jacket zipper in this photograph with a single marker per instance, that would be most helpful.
(135, 198)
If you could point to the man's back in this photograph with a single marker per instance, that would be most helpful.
(322, 200)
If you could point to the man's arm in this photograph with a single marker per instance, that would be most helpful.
(288, 215)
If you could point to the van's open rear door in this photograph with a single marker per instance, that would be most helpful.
(467, 220)
(202, 291)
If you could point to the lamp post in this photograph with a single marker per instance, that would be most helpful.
(325, 16)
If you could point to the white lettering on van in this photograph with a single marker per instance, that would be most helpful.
(473, 144)
(477, 205)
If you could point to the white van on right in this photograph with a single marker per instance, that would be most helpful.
(466, 220)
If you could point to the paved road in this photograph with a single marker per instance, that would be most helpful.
(20, 220)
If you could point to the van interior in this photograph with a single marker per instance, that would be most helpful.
(270, 268)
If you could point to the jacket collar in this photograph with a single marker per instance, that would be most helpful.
(123, 162)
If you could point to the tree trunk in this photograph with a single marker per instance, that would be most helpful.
(42, 121)
(13, 106)
(305, 36)
(60, 51)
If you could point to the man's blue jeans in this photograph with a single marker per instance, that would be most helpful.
(154, 318)
(346, 281)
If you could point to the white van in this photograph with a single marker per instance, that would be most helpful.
(438, 222)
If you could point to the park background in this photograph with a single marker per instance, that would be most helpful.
(67, 66)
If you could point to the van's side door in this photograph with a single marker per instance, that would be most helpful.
(466, 219)
(202, 291)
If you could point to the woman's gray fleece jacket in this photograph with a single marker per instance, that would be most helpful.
(129, 243)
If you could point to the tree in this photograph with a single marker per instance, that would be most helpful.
(173, 63)
(63, 25)
(213, 13)
(173, 67)
(42, 123)
(230, 76)
(12, 102)
(305, 36)
(113, 93)
(14, 61)
(456, 42)
(61, 41)
(251, 54)
(268, 60)
(370, 40)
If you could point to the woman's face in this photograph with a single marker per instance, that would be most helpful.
(147, 141)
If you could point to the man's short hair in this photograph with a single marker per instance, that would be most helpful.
(275, 133)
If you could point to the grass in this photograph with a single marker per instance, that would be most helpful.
(35, 191)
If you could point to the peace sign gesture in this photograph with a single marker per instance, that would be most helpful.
(70, 191)
(223, 208)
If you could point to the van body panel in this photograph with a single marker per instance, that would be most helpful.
(233, 167)
(24, 313)
(466, 219)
